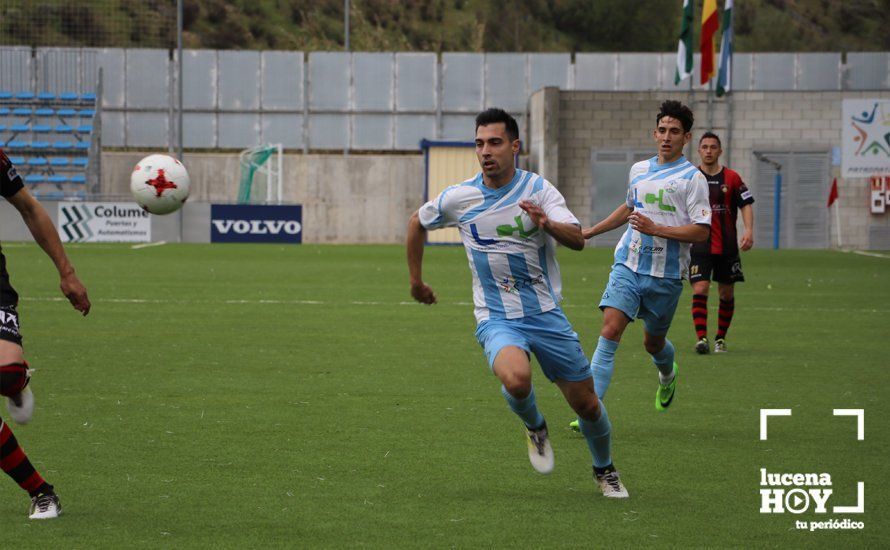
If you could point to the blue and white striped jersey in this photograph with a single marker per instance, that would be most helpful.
(513, 262)
(671, 194)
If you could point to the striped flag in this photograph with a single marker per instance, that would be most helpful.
(724, 77)
(709, 26)
(684, 49)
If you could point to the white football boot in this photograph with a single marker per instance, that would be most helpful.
(540, 453)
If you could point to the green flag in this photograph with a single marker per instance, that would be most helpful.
(684, 48)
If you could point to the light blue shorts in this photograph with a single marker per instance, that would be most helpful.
(549, 336)
(652, 299)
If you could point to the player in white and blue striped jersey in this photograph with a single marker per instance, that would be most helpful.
(510, 221)
(667, 209)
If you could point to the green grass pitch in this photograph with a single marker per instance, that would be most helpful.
(246, 396)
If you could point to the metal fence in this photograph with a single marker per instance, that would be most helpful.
(371, 101)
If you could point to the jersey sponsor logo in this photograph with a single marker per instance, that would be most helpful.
(474, 231)
(652, 198)
(512, 285)
(746, 194)
(11, 174)
(637, 247)
(507, 230)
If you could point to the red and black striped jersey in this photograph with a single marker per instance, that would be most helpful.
(10, 180)
(728, 193)
(10, 184)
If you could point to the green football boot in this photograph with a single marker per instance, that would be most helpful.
(665, 394)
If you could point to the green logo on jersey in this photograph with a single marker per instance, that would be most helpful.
(652, 199)
(506, 230)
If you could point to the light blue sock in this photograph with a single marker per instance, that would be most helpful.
(599, 437)
(526, 409)
(664, 360)
(602, 364)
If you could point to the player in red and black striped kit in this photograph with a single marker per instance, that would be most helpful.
(718, 257)
(14, 372)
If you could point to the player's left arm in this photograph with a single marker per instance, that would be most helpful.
(690, 233)
(567, 234)
(748, 219)
(744, 199)
(41, 227)
(548, 211)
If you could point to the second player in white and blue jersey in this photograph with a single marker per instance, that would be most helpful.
(672, 194)
(513, 262)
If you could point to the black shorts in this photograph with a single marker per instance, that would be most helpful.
(725, 268)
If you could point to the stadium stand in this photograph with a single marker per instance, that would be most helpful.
(49, 138)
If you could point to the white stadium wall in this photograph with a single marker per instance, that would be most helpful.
(577, 124)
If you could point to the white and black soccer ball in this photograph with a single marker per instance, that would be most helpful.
(160, 184)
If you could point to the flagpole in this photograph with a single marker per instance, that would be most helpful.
(711, 104)
(837, 220)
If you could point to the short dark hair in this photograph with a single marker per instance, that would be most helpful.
(710, 135)
(675, 109)
(495, 115)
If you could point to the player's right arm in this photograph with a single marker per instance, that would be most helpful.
(439, 212)
(41, 227)
(616, 219)
(420, 291)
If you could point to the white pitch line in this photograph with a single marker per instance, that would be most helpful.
(147, 245)
(871, 254)
(401, 303)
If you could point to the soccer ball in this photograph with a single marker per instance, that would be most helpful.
(160, 184)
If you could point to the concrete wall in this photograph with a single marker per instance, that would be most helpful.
(346, 199)
(763, 121)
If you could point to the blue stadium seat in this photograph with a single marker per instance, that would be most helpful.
(63, 144)
(2, 127)
(35, 178)
(4, 111)
(4, 95)
(64, 129)
(80, 161)
(17, 144)
(18, 128)
(57, 178)
(68, 96)
(17, 160)
(89, 96)
(22, 111)
(44, 111)
(59, 161)
(41, 128)
(85, 128)
(78, 178)
(82, 145)
(87, 113)
(24, 96)
(66, 112)
(37, 161)
(39, 145)
(46, 96)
